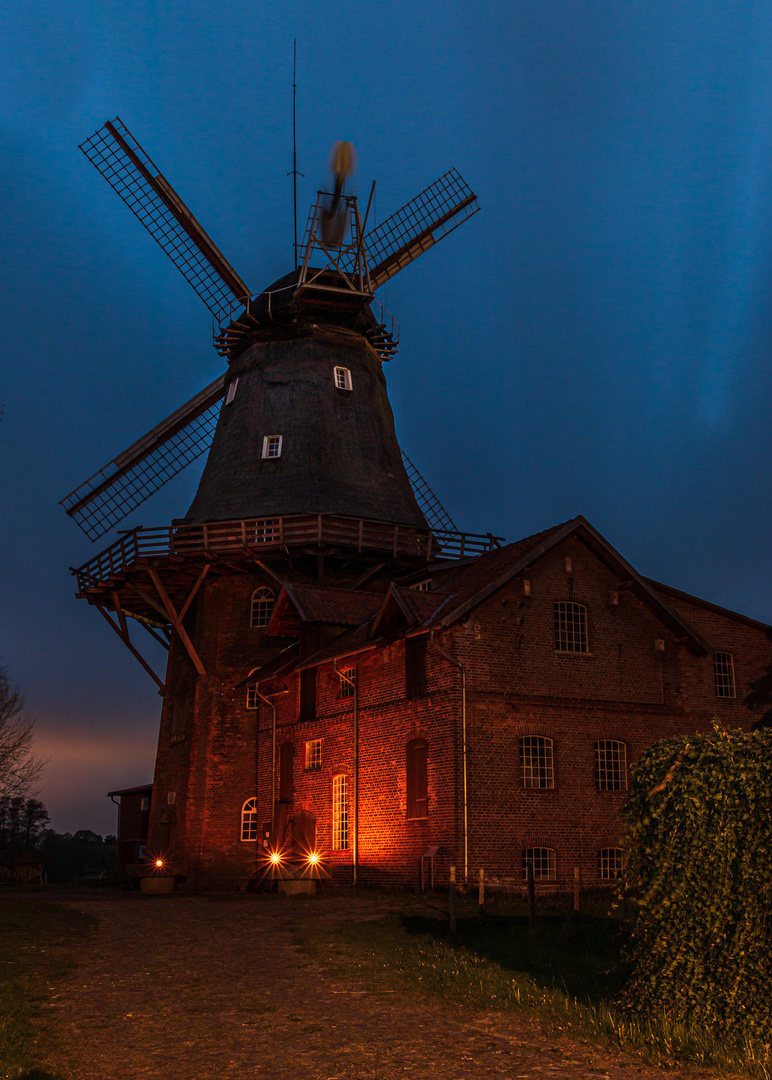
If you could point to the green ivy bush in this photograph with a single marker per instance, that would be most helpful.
(699, 882)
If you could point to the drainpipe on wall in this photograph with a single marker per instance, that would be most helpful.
(355, 817)
(272, 707)
(462, 669)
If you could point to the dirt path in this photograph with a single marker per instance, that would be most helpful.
(191, 988)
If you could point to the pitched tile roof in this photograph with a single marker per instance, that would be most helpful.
(342, 607)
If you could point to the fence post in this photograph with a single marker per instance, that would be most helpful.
(576, 890)
(452, 900)
(481, 897)
(531, 892)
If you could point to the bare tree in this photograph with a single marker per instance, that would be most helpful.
(19, 768)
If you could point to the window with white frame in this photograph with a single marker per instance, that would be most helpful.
(144, 803)
(262, 606)
(272, 446)
(252, 697)
(313, 755)
(570, 627)
(267, 530)
(610, 863)
(340, 812)
(543, 859)
(342, 378)
(249, 820)
(723, 674)
(536, 769)
(348, 675)
(610, 765)
(231, 392)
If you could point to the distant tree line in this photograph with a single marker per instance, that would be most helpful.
(23, 828)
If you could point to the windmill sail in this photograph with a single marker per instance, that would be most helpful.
(117, 155)
(133, 476)
(437, 517)
(413, 229)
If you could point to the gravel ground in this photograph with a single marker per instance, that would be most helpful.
(188, 988)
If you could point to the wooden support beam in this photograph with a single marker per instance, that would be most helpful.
(367, 575)
(176, 622)
(268, 570)
(194, 590)
(124, 636)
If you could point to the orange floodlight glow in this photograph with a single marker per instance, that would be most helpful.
(159, 863)
(275, 857)
(313, 858)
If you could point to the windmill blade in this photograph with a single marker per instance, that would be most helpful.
(411, 231)
(437, 517)
(117, 155)
(133, 476)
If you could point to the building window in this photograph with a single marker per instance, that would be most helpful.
(610, 863)
(347, 676)
(144, 803)
(141, 852)
(249, 820)
(231, 391)
(342, 378)
(313, 755)
(272, 446)
(340, 813)
(262, 606)
(307, 709)
(543, 859)
(536, 769)
(267, 531)
(415, 666)
(570, 627)
(417, 783)
(252, 698)
(610, 765)
(723, 673)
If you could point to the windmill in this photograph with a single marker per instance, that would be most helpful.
(334, 287)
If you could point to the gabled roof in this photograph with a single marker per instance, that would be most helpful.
(698, 602)
(408, 607)
(299, 604)
(285, 659)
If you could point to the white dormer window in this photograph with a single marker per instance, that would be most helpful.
(272, 446)
(231, 392)
(342, 378)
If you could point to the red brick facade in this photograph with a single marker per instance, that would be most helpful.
(647, 672)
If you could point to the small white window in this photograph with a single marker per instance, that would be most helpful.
(610, 765)
(570, 627)
(252, 696)
(313, 755)
(262, 606)
(723, 673)
(348, 676)
(231, 392)
(272, 446)
(141, 852)
(340, 813)
(249, 820)
(342, 378)
(144, 802)
(170, 797)
(536, 770)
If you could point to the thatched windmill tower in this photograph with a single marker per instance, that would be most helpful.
(304, 478)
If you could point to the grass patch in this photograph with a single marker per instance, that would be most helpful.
(36, 950)
(563, 971)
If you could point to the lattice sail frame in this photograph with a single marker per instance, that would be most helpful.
(130, 171)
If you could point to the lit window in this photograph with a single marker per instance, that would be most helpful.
(570, 627)
(536, 762)
(610, 765)
(249, 820)
(543, 859)
(262, 606)
(231, 392)
(723, 673)
(610, 863)
(340, 813)
(252, 697)
(313, 755)
(342, 378)
(417, 781)
(348, 675)
(272, 446)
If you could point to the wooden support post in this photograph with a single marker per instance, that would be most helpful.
(176, 622)
(134, 652)
(531, 892)
(576, 890)
(481, 895)
(452, 900)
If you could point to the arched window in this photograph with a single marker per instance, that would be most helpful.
(417, 785)
(570, 627)
(610, 765)
(610, 863)
(249, 820)
(262, 606)
(536, 769)
(543, 859)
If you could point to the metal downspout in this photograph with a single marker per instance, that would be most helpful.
(462, 669)
(355, 817)
(272, 707)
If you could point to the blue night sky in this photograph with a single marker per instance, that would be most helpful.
(597, 340)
